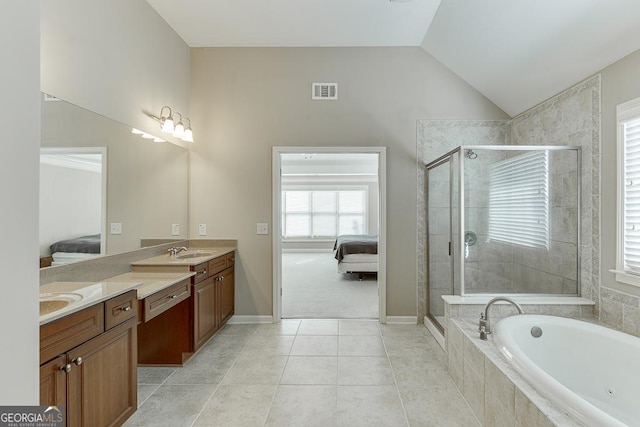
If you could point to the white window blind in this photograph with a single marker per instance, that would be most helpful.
(519, 200)
(631, 135)
(323, 213)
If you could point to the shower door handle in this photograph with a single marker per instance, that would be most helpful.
(449, 248)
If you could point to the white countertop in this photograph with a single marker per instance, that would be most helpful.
(151, 282)
(176, 261)
(88, 294)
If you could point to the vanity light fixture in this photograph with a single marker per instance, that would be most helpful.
(169, 125)
(166, 122)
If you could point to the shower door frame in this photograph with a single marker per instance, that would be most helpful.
(462, 149)
(440, 161)
(459, 151)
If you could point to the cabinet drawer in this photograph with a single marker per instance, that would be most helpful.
(216, 265)
(231, 259)
(202, 272)
(62, 335)
(163, 300)
(119, 309)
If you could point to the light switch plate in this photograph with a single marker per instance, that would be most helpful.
(175, 229)
(202, 229)
(262, 228)
(116, 228)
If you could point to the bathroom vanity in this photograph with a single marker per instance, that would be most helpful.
(88, 351)
(177, 322)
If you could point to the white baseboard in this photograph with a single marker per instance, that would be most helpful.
(244, 319)
(406, 320)
(435, 332)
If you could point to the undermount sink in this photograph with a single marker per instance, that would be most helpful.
(55, 301)
(193, 255)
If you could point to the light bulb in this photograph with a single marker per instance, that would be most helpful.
(188, 135)
(167, 125)
(136, 131)
(147, 136)
(156, 139)
(178, 132)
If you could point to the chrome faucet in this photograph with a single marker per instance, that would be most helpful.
(484, 326)
(173, 251)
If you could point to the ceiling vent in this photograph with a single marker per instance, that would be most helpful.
(324, 91)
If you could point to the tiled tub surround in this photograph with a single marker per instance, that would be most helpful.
(470, 307)
(496, 393)
(570, 118)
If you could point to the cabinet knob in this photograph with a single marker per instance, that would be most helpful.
(127, 308)
(232, 259)
(66, 368)
(78, 361)
(202, 272)
(173, 296)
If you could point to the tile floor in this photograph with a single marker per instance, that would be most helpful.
(307, 373)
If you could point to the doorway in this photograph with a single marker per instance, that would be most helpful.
(320, 193)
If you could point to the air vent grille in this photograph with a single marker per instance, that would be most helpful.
(324, 91)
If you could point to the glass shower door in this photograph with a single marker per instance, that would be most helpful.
(440, 247)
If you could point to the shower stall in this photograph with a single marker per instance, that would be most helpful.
(502, 220)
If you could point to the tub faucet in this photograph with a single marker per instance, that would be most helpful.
(485, 325)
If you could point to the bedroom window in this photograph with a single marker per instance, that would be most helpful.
(628, 248)
(323, 213)
(519, 200)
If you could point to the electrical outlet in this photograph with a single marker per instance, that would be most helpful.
(116, 228)
(262, 228)
(202, 229)
(175, 229)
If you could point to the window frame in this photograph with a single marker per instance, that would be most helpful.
(625, 112)
(334, 188)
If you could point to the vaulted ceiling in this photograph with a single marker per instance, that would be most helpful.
(515, 52)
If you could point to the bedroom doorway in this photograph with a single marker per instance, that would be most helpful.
(320, 193)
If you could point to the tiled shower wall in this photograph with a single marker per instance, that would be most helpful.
(570, 118)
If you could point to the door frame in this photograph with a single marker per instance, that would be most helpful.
(277, 220)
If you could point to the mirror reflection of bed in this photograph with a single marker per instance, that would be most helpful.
(71, 204)
(330, 214)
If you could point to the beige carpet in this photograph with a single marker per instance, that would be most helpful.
(312, 288)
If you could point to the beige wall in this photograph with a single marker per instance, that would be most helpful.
(247, 100)
(620, 83)
(619, 302)
(20, 108)
(118, 58)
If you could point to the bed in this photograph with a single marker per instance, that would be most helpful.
(357, 253)
(71, 250)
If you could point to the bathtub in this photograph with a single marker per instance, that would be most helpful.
(591, 372)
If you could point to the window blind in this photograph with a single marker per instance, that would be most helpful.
(519, 200)
(631, 136)
(323, 213)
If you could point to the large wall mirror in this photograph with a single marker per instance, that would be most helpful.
(104, 187)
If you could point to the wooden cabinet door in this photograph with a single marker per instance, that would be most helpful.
(205, 319)
(53, 382)
(226, 295)
(102, 387)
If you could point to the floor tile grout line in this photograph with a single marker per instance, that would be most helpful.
(395, 383)
(222, 379)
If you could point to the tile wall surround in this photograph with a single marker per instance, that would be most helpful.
(103, 267)
(570, 118)
(496, 393)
